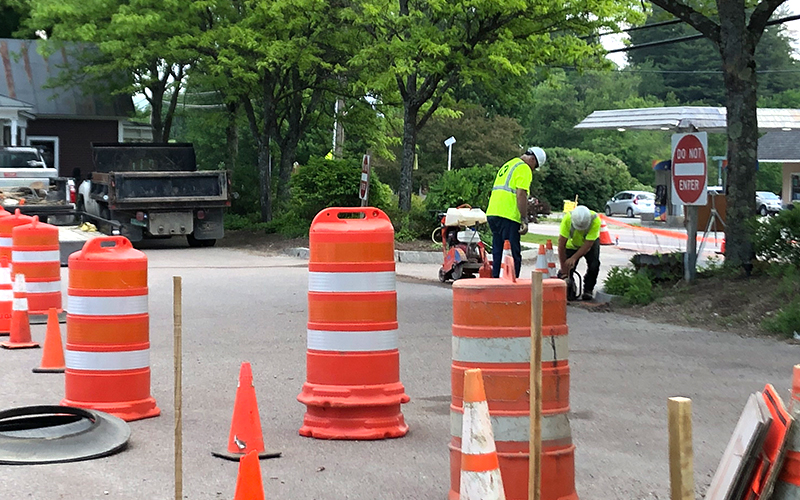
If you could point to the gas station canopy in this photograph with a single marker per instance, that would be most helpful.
(685, 118)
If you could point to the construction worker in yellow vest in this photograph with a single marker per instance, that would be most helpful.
(579, 236)
(507, 213)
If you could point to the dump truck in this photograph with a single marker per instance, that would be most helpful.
(147, 190)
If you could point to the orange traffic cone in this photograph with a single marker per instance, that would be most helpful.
(541, 261)
(507, 257)
(245, 435)
(551, 260)
(53, 352)
(6, 296)
(20, 337)
(605, 236)
(248, 483)
(480, 468)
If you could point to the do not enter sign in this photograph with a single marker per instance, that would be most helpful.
(689, 168)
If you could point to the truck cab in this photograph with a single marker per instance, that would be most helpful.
(28, 183)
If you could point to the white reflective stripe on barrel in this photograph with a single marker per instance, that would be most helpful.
(381, 281)
(5, 275)
(324, 340)
(107, 361)
(6, 242)
(6, 296)
(507, 349)
(554, 427)
(476, 441)
(36, 256)
(44, 286)
(106, 306)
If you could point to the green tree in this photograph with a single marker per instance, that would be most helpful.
(692, 70)
(143, 42)
(735, 34)
(422, 50)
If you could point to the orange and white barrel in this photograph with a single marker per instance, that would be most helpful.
(788, 485)
(108, 330)
(35, 252)
(353, 388)
(7, 224)
(6, 297)
(491, 331)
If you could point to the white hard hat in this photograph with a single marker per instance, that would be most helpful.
(581, 218)
(539, 153)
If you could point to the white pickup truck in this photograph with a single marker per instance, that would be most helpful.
(27, 183)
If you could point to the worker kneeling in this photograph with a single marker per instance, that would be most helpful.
(579, 237)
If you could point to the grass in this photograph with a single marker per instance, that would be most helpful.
(538, 239)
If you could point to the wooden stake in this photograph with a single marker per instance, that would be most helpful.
(681, 458)
(535, 449)
(177, 319)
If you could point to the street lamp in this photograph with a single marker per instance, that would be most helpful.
(449, 143)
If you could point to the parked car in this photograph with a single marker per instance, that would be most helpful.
(768, 203)
(631, 203)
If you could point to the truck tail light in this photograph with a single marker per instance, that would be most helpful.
(201, 214)
(72, 193)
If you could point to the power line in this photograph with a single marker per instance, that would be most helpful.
(691, 37)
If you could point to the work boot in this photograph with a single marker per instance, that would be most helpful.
(587, 296)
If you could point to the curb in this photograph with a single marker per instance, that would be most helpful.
(606, 298)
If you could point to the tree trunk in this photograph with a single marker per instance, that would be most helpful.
(264, 181)
(410, 113)
(156, 106)
(232, 137)
(739, 72)
(288, 156)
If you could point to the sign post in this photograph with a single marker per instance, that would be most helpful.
(363, 189)
(449, 143)
(689, 185)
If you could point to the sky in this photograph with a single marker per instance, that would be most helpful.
(616, 41)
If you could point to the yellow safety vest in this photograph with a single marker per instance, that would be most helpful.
(503, 202)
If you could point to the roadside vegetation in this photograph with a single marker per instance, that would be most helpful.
(766, 301)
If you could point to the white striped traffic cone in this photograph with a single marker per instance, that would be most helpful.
(541, 261)
(507, 267)
(20, 336)
(551, 260)
(480, 468)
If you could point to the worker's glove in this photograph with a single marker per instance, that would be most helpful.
(523, 227)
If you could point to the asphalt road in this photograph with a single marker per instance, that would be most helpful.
(247, 307)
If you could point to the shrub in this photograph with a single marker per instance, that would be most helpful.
(472, 186)
(248, 222)
(635, 287)
(325, 183)
(777, 238)
(594, 177)
(786, 320)
(418, 223)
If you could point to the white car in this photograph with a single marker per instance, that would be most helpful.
(631, 203)
(768, 203)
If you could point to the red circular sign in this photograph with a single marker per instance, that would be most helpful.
(689, 169)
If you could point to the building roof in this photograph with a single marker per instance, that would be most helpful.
(7, 102)
(779, 146)
(25, 74)
(701, 118)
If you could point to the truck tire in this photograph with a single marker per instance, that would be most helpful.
(195, 243)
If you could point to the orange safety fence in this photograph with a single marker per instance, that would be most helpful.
(660, 232)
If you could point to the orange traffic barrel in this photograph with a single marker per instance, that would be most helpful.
(108, 330)
(788, 484)
(7, 224)
(491, 331)
(6, 296)
(35, 253)
(352, 388)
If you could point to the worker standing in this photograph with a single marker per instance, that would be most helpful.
(508, 205)
(579, 237)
